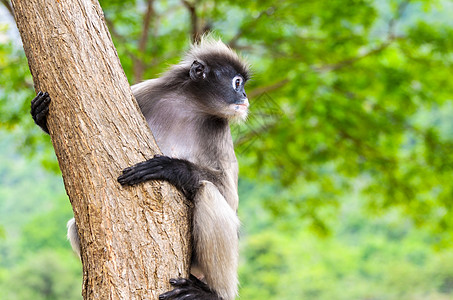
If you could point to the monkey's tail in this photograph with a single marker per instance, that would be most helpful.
(73, 236)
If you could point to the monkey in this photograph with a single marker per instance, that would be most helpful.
(189, 109)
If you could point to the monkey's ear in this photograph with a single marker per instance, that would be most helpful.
(198, 71)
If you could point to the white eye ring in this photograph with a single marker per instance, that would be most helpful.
(237, 82)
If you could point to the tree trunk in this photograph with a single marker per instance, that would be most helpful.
(134, 238)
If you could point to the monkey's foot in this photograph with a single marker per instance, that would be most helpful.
(40, 109)
(179, 172)
(189, 289)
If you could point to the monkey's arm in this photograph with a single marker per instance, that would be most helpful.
(183, 174)
(40, 109)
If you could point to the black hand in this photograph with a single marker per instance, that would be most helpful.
(40, 110)
(189, 289)
(181, 173)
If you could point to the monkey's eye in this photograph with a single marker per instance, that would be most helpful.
(237, 82)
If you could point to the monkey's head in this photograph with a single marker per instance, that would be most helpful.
(217, 78)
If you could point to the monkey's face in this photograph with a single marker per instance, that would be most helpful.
(236, 98)
(223, 90)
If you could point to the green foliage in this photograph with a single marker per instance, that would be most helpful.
(380, 258)
(15, 95)
(36, 261)
(358, 79)
(46, 275)
(338, 93)
(34, 237)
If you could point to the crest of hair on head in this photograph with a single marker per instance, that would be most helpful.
(208, 46)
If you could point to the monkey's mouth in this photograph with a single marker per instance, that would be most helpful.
(244, 105)
(238, 111)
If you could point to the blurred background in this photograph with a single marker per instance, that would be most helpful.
(346, 161)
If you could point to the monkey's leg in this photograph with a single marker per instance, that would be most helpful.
(189, 289)
(40, 109)
(215, 226)
(215, 233)
(183, 174)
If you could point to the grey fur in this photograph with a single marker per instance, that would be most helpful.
(188, 124)
(73, 236)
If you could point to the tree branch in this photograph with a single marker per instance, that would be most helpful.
(399, 13)
(268, 88)
(352, 60)
(193, 19)
(139, 65)
(123, 40)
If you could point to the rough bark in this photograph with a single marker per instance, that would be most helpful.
(133, 239)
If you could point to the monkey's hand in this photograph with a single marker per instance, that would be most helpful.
(40, 109)
(183, 174)
(189, 289)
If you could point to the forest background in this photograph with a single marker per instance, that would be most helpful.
(345, 162)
